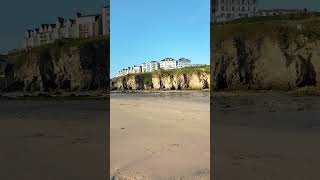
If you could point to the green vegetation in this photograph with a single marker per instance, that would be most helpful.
(20, 58)
(271, 26)
(147, 77)
(55, 49)
(306, 91)
(187, 70)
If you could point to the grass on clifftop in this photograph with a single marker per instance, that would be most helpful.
(251, 28)
(61, 43)
(188, 70)
(56, 47)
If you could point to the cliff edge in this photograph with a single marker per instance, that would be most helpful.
(279, 52)
(66, 65)
(193, 78)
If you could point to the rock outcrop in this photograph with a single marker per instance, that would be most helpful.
(285, 57)
(62, 66)
(183, 79)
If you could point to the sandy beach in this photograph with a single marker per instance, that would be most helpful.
(53, 139)
(269, 136)
(160, 135)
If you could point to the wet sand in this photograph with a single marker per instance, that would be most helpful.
(53, 139)
(269, 136)
(160, 135)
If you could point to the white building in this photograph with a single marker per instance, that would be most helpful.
(183, 62)
(122, 72)
(105, 12)
(137, 69)
(225, 10)
(165, 64)
(88, 26)
(152, 66)
(168, 63)
(144, 67)
(83, 26)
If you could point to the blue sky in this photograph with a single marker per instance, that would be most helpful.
(144, 30)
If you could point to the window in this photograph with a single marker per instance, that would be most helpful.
(222, 8)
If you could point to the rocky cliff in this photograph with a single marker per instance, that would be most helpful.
(181, 79)
(278, 53)
(66, 65)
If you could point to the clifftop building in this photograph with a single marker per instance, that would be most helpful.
(106, 19)
(168, 63)
(165, 64)
(82, 26)
(225, 10)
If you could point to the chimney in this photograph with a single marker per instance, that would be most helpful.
(79, 14)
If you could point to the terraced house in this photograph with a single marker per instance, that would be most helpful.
(150, 66)
(82, 26)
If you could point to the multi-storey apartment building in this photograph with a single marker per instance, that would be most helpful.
(165, 64)
(168, 63)
(136, 69)
(225, 10)
(152, 66)
(183, 62)
(83, 26)
(106, 18)
(144, 67)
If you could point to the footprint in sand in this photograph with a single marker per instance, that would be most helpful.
(173, 147)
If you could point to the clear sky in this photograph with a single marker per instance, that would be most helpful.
(143, 30)
(18, 15)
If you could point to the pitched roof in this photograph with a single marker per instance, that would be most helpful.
(44, 25)
(53, 25)
(183, 59)
(61, 19)
(168, 59)
(73, 21)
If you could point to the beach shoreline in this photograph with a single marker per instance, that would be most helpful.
(168, 135)
(270, 135)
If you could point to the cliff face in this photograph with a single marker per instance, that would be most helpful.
(189, 78)
(277, 57)
(6, 71)
(61, 67)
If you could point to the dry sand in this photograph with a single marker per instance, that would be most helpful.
(53, 140)
(160, 135)
(265, 136)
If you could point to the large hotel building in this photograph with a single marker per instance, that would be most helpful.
(224, 10)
